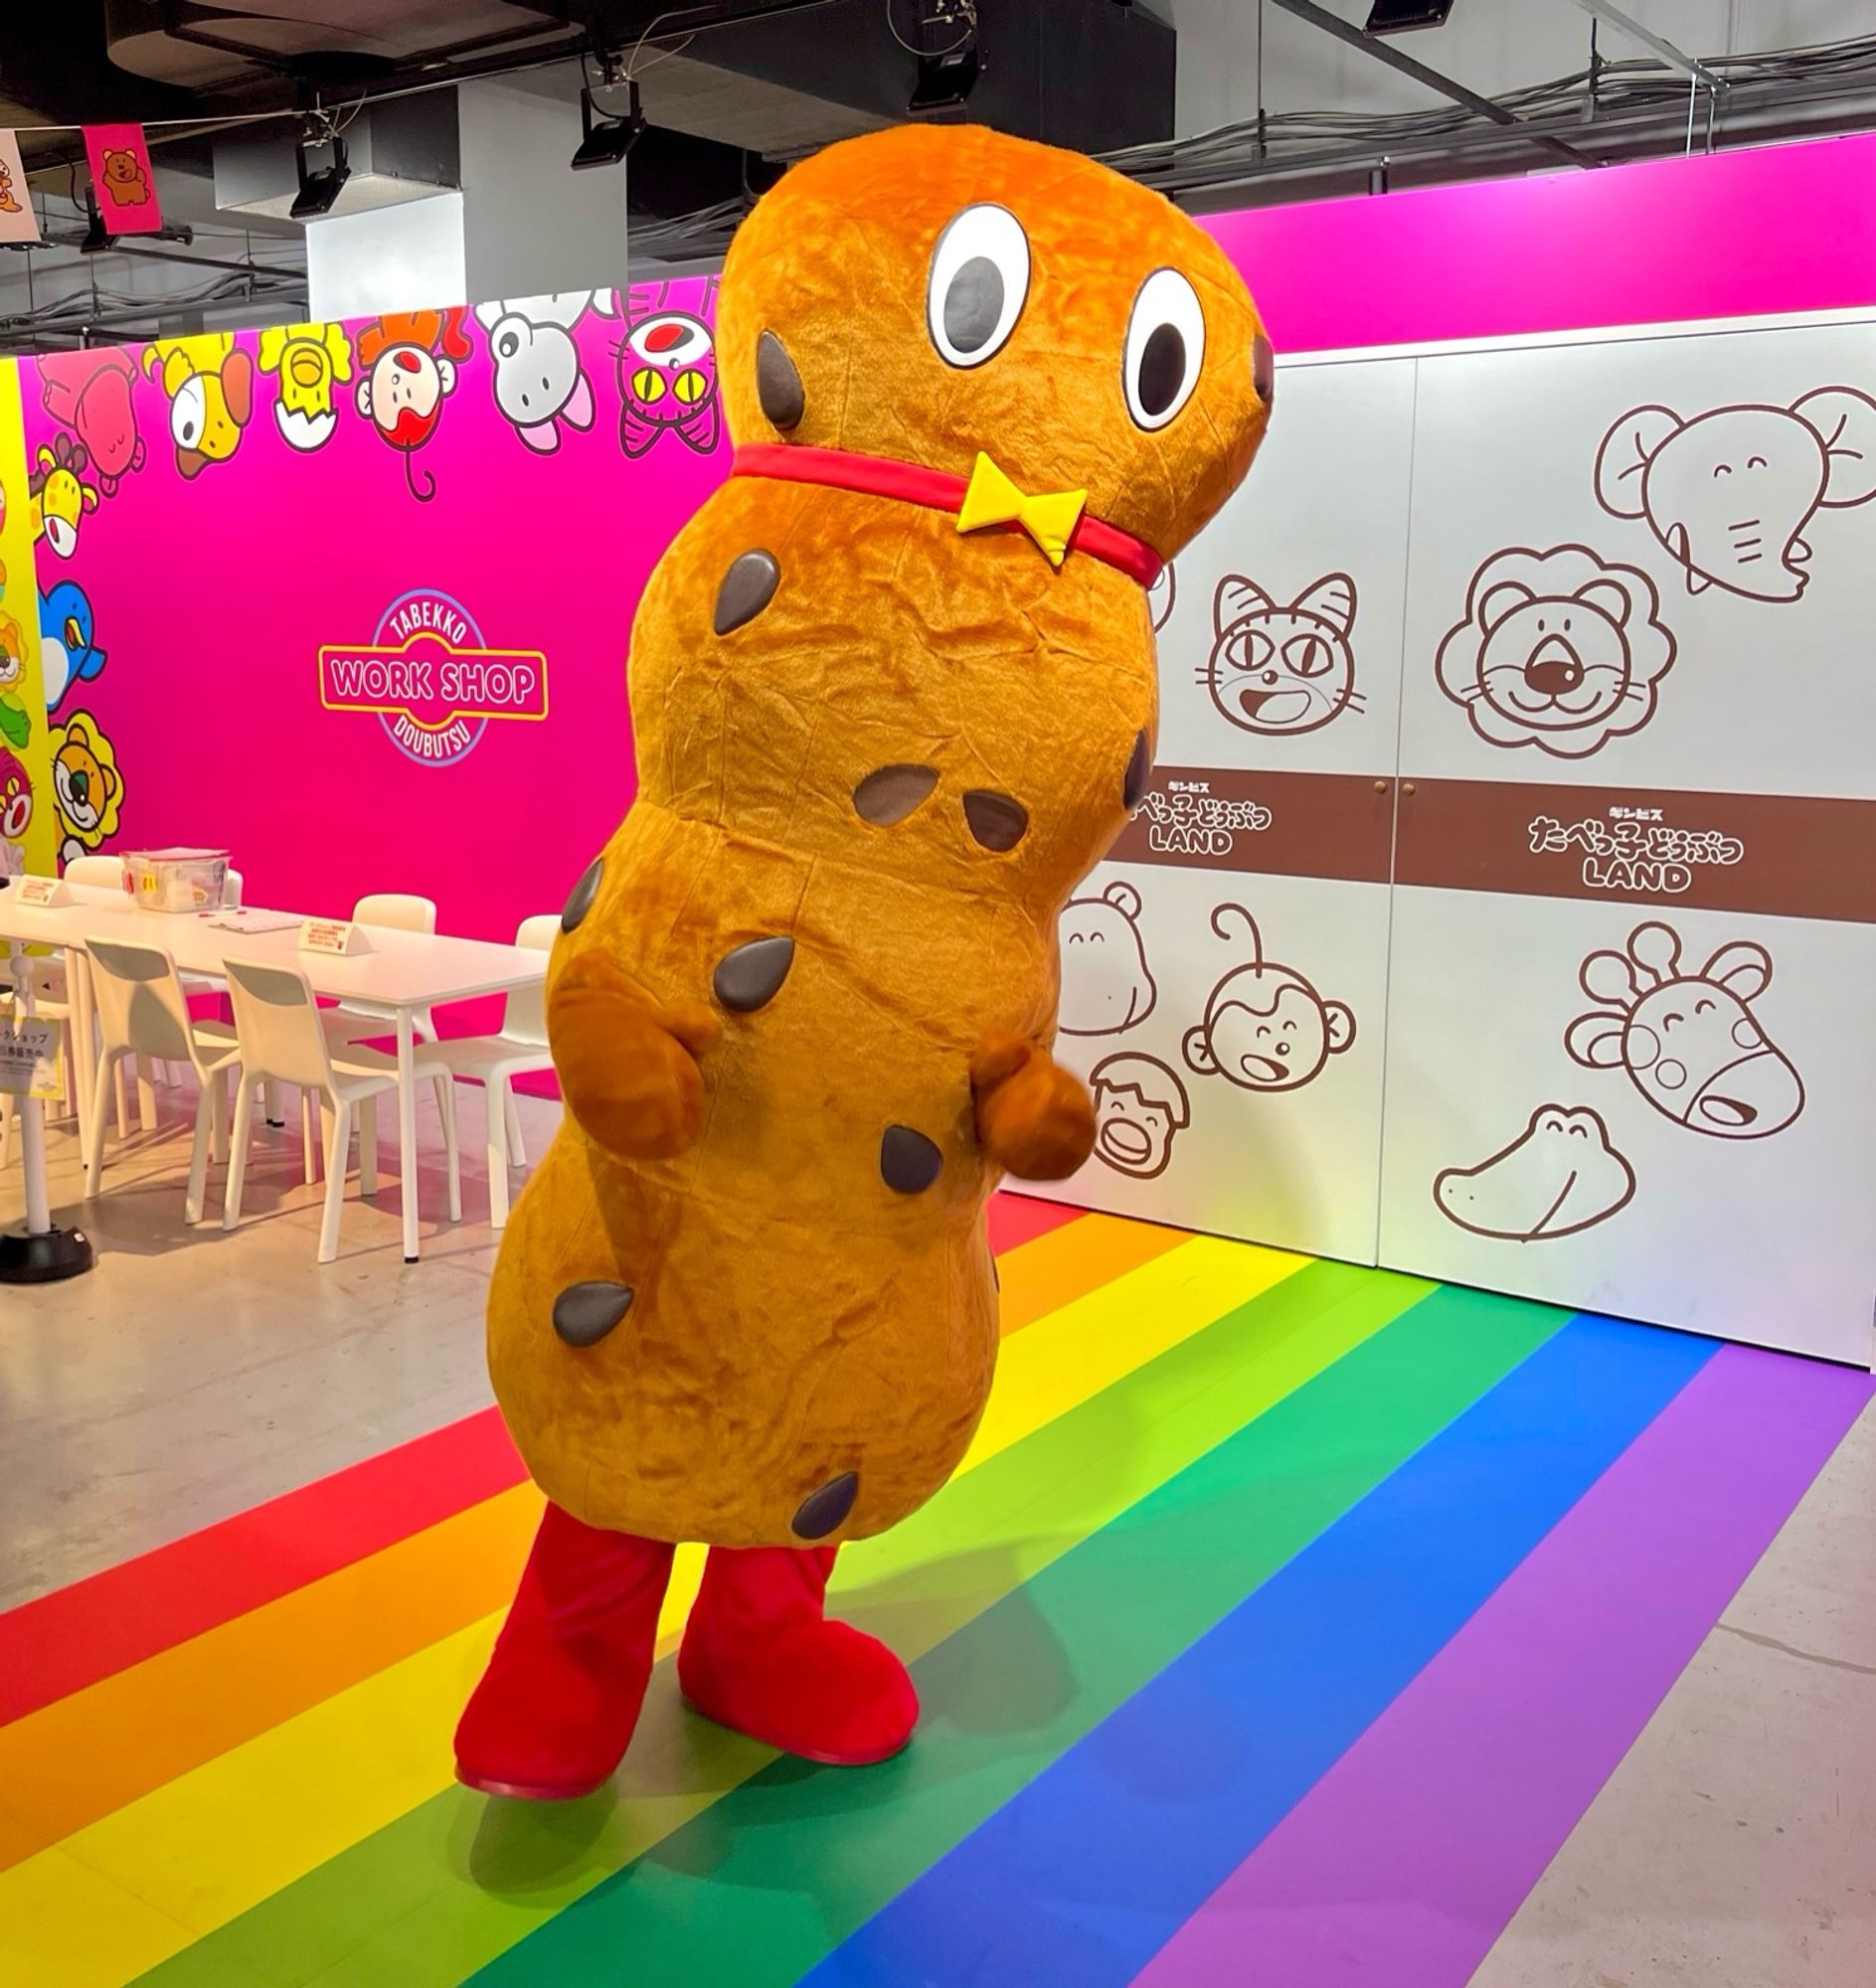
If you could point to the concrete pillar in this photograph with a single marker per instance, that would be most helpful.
(531, 223)
(386, 259)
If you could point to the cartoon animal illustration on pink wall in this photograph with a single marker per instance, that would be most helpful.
(1281, 669)
(1106, 985)
(62, 492)
(1688, 1037)
(1265, 1026)
(1141, 1107)
(309, 361)
(209, 382)
(16, 799)
(90, 393)
(409, 363)
(667, 374)
(1559, 649)
(540, 383)
(1559, 1176)
(1730, 492)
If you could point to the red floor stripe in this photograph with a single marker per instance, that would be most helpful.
(66, 1640)
(71, 1638)
(1015, 1219)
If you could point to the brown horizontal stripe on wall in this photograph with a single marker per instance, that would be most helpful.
(1783, 855)
(1338, 825)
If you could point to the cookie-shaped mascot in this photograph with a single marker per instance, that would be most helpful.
(894, 694)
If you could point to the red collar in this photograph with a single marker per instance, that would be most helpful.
(934, 489)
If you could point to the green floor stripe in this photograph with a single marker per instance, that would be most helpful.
(453, 1884)
(767, 1881)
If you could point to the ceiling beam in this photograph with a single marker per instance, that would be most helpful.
(1430, 78)
(1659, 45)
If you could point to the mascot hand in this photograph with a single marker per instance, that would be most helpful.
(627, 1065)
(1035, 1118)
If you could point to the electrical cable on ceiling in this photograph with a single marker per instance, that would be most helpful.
(966, 8)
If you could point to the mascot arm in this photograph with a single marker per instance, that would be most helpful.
(1035, 1120)
(628, 1065)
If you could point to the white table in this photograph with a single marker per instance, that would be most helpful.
(402, 973)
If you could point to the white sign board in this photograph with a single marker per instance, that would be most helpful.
(27, 1065)
(1520, 701)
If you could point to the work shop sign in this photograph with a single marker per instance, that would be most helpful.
(432, 681)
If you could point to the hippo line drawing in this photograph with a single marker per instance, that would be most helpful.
(1688, 1038)
(1730, 492)
(1559, 1176)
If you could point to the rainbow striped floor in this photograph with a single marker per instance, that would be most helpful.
(1282, 1622)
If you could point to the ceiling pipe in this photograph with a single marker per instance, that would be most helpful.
(1430, 78)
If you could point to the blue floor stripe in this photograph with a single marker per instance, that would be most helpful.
(1082, 1878)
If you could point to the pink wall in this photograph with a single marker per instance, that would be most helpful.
(1787, 227)
(214, 593)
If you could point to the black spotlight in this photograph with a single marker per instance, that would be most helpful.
(97, 239)
(947, 54)
(1396, 17)
(318, 191)
(605, 141)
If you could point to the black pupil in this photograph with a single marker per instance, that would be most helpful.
(1162, 369)
(973, 304)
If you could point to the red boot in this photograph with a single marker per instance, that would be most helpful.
(760, 1657)
(556, 1707)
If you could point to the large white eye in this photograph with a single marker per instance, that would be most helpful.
(1165, 348)
(672, 338)
(189, 414)
(979, 278)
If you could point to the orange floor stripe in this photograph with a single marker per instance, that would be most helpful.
(142, 1727)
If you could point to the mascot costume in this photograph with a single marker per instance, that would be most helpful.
(894, 694)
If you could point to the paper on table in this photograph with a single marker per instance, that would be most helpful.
(254, 922)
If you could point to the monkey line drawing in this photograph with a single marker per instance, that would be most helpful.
(1688, 1038)
(1730, 492)
(1265, 1026)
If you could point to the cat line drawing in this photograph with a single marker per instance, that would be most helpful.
(1282, 669)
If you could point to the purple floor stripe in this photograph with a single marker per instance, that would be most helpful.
(1408, 1860)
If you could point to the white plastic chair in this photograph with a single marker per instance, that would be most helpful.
(197, 985)
(394, 910)
(52, 1002)
(143, 1011)
(518, 1050)
(277, 1023)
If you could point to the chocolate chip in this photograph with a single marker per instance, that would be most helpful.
(584, 1313)
(777, 384)
(751, 976)
(821, 1511)
(748, 587)
(888, 794)
(1139, 771)
(908, 1161)
(583, 892)
(996, 821)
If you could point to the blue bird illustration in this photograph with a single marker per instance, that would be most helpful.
(67, 651)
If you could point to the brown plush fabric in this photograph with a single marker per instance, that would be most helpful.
(785, 1158)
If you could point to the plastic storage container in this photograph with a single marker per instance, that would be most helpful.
(176, 879)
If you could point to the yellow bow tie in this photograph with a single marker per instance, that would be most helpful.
(992, 499)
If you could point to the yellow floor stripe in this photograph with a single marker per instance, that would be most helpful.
(209, 1844)
(185, 1705)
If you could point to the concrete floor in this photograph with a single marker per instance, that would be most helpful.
(193, 1374)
